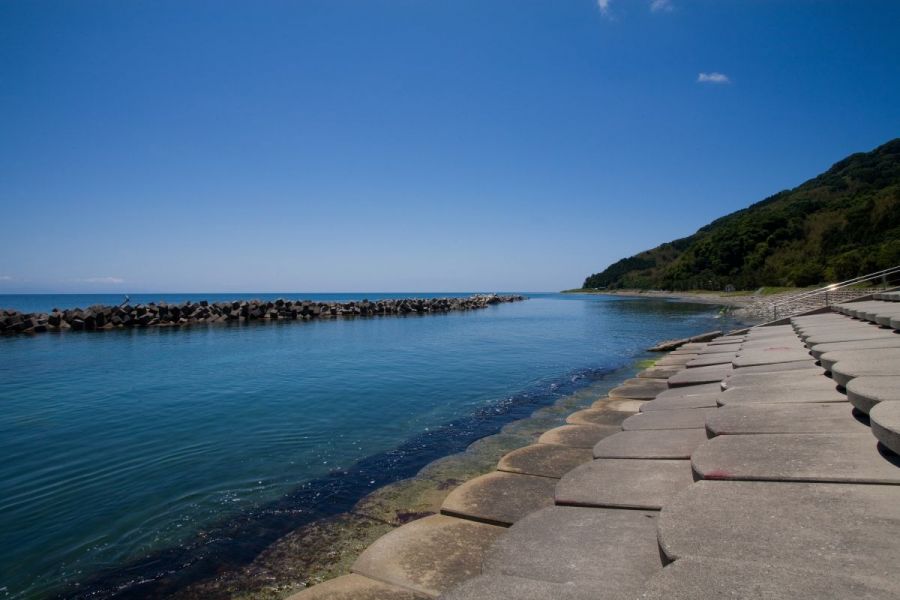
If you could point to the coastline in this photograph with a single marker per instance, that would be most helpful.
(227, 560)
(726, 299)
(325, 549)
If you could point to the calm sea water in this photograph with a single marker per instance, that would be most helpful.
(129, 451)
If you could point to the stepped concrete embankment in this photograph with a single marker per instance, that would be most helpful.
(747, 473)
(162, 314)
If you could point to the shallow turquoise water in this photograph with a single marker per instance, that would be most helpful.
(123, 447)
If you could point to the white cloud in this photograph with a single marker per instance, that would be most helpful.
(713, 78)
(102, 280)
(661, 6)
(603, 5)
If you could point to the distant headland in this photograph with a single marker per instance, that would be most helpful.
(162, 314)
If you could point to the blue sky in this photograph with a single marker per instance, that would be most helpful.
(411, 145)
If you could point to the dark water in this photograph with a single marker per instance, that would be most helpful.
(127, 453)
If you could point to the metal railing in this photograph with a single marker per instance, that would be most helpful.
(827, 295)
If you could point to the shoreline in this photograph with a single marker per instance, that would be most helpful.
(735, 300)
(244, 561)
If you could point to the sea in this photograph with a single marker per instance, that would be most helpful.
(134, 455)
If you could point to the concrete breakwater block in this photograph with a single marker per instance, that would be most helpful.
(727, 339)
(822, 457)
(638, 389)
(598, 416)
(841, 528)
(770, 356)
(504, 587)
(721, 349)
(659, 372)
(865, 392)
(869, 333)
(807, 379)
(672, 360)
(745, 395)
(578, 436)
(356, 587)
(814, 417)
(429, 556)
(820, 349)
(619, 404)
(682, 402)
(886, 425)
(545, 460)
(651, 444)
(689, 418)
(699, 375)
(880, 361)
(499, 498)
(614, 547)
(706, 360)
(702, 578)
(690, 390)
(624, 483)
(797, 365)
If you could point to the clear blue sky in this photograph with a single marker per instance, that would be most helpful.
(409, 145)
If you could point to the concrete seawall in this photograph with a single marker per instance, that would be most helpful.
(760, 463)
(125, 316)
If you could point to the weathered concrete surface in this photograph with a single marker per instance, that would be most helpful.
(745, 395)
(597, 416)
(561, 544)
(886, 425)
(619, 404)
(688, 418)
(696, 401)
(706, 360)
(743, 419)
(865, 392)
(659, 372)
(430, 555)
(690, 390)
(721, 349)
(770, 357)
(545, 460)
(820, 349)
(849, 335)
(700, 375)
(499, 498)
(727, 339)
(836, 527)
(356, 587)
(578, 436)
(624, 483)
(823, 457)
(798, 365)
(504, 587)
(668, 444)
(880, 361)
(670, 360)
(807, 379)
(890, 357)
(695, 578)
(638, 389)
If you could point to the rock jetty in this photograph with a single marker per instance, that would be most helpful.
(98, 318)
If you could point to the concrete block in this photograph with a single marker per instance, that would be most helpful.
(499, 498)
(817, 457)
(653, 444)
(430, 555)
(624, 483)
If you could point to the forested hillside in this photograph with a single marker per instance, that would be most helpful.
(843, 223)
